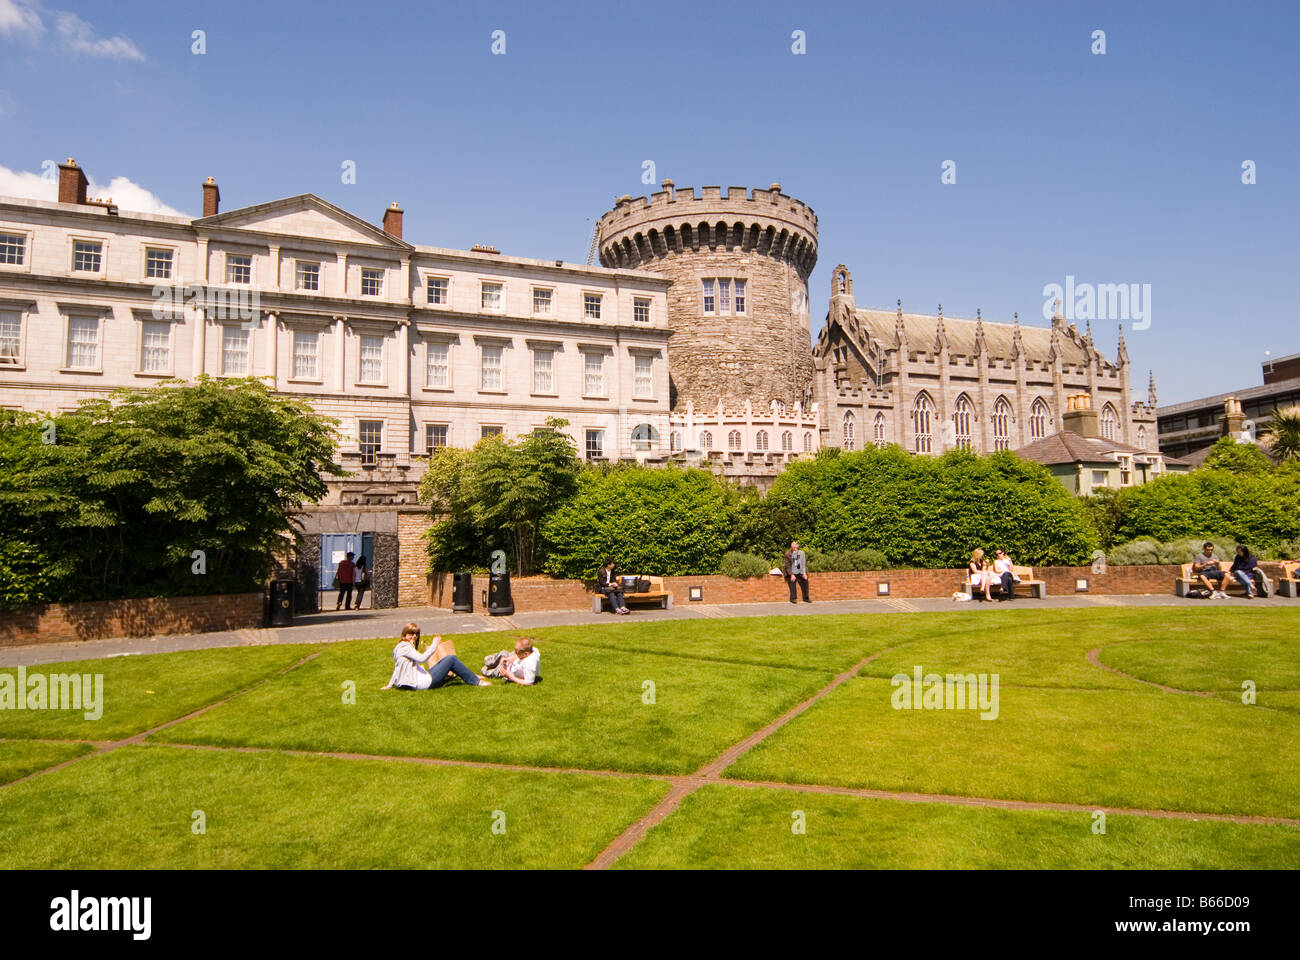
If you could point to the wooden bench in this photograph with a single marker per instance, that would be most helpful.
(1288, 585)
(1037, 588)
(656, 594)
(1188, 581)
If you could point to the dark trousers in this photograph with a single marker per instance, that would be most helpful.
(1008, 585)
(361, 592)
(615, 598)
(803, 585)
(345, 596)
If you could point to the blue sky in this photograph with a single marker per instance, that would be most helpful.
(1117, 168)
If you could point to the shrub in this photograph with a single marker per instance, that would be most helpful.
(663, 521)
(1183, 550)
(743, 566)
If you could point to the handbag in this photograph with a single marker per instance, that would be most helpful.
(336, 584)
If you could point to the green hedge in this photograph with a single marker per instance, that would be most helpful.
(660, 521)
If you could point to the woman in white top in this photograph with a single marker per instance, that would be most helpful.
(980, 576)
(410, 672)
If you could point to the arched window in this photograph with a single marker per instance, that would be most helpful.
(807, 442)
(922, 414)
(760, 440)
(878, 430)
(675, 441)
(1001, 424)
(733, 440)
(787, 442)
(849, 420)
(1142, 437)
(1038, 420)
(963, 413)
(1109, 422)
(706, 440)
(644, 436)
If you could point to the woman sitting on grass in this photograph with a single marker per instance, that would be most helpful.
(410, 672)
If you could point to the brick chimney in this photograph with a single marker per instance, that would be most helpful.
(211, 197)
(393, 221)
(1080, 418)
(72, 183)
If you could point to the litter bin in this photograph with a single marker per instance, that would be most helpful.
(499, 603)
(282, 588)
(462, 593)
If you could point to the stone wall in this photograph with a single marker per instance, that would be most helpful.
(413, 583)
(64, 622)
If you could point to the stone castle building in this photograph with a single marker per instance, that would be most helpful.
(740, 367)
(933, 383)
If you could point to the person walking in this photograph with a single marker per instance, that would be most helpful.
(347, 574)
(362, 580)
(796, 571)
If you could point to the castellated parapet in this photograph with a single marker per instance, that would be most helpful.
(766, 239)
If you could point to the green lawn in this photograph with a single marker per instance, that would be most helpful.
(587, 712)
(19, 758)
(142, 692)
(1066, 731)
(733, 828)
(135, 807)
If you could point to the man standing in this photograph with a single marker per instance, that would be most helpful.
(607, 584)
(796, 569)
(347, 573)
(1206, 566)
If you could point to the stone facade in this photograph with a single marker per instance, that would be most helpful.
(723, 351)
(931, 383)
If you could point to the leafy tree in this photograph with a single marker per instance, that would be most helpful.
(132, 486)
(1243, 458)
(496, 496)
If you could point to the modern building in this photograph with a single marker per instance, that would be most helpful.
(934, 383)
(410, 347)
(1085, 462)
(1189, 429)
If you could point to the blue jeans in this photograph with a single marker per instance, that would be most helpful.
(1246, 578)
(447, 665)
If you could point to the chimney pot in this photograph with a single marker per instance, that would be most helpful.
(72, 183)
(393, 221)
(211, 197)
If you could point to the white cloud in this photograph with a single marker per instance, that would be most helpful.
(79, 37)
(126, 194)
(27, 19)
(19, 17)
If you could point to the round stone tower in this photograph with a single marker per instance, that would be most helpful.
(738, 306)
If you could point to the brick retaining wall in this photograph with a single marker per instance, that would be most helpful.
(62, 622)
(544, 593)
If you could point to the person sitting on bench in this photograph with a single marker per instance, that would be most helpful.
(410, 672)
(1209, 570)
(981, 577)
(1244, 568)
(607, 584)
(1004, 570)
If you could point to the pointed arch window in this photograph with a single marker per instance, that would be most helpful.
(787, 442)
(1001, 424)
(733, 440)
(1109, 423)
(922, 418)
(760, 440)
(849, 422)
(1142, 437)
(706, 440)
(1039, 418)
(963, 414)
(878, 430)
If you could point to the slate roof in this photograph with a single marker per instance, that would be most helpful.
(1066, 446)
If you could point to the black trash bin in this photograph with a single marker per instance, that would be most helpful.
(462, 593)
(499, 603)
(282, 588)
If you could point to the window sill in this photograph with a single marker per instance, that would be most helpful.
(593, 396)
(153, 373)
(316, 380)
(12, 366)
(552, 396)
(370, 383)
(438, 389)
(495, 393)
(97, 371)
